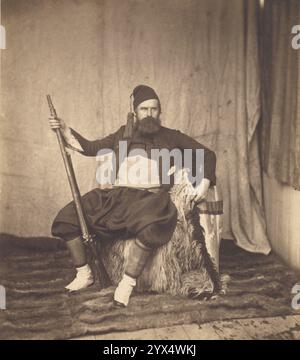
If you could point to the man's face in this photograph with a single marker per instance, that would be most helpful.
(148, 108)
(147, 114)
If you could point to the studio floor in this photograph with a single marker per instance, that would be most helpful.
(274, 328)
(256, 305)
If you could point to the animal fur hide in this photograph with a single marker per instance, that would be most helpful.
(181, 267)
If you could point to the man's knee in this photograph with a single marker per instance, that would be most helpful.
(65, 231)
(65, 225)
(151, 237)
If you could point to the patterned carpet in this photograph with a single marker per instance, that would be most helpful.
(34, 272)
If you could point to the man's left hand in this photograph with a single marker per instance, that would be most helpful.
(201, 191)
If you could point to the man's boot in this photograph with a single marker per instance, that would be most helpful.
(84, 276)
(137, 258)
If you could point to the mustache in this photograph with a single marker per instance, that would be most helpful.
(151, 118)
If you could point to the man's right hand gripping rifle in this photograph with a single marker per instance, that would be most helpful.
(56, 123)
(71, 142)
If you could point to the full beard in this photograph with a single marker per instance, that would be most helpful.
(149, 125)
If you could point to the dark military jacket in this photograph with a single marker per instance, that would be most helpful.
(166, 138)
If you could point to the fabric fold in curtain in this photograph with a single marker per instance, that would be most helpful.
(280, 140)
(202, 59)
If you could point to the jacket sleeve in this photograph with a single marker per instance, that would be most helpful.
(184, 141)
(87, 147)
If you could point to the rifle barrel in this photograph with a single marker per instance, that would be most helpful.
(77, 198)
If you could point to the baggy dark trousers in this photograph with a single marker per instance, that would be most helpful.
(121, 212)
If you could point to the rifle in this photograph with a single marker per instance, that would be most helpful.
(88, 238)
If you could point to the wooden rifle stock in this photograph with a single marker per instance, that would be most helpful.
(88, 238)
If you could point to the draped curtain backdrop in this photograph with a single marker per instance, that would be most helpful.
(201, 56)
(281, 84)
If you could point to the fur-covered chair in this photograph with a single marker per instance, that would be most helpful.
(188, 264)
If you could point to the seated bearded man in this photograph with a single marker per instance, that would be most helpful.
(141, 209)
